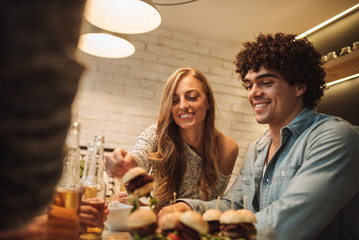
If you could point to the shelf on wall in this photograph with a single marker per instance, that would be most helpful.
(341, 67)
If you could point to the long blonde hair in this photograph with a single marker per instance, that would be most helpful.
(169, 154)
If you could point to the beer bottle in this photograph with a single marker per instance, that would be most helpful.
(94, 192)
(63, 221)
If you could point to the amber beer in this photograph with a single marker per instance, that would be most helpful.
(100, 206)
(89, 192)
(89, 197)
(63, 221)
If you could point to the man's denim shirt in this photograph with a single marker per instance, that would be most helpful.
(310, 188)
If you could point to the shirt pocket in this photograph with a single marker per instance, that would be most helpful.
(280, 181)
(285, 173)
(246, 178)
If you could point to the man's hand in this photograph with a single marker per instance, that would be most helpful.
(35, 230)
(180, 206)
(92, 217)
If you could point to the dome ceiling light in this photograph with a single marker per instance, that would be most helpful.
(123, 16)
(100, 43)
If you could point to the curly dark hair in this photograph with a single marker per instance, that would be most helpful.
(295, 59)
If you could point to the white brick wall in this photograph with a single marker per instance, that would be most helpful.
(119, 98)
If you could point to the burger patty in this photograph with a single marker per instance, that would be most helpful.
(213, 227)
(165, 232)
(186, 233)
(145, 231)
(138, 182)
(240, 230)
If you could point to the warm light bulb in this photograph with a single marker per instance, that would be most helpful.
(105, 45)
(123, 16)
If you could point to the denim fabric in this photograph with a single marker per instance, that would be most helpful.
(310, 188)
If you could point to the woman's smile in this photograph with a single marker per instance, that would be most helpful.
(186, 115)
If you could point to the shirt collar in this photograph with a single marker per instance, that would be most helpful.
(299, 124)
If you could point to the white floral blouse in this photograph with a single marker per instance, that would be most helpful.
(146, 143)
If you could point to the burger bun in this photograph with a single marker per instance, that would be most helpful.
(195, 221)
(169, 220)
(141, 217)
(144, 190)
(212, 215)
(237, 216)
(133, 173)
(249, 217)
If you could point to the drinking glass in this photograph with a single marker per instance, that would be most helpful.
(345, 50)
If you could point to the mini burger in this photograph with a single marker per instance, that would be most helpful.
(168, 221)
(238, 224)
(211, 216)
(138, 182)
(190, 226)
(142, 223)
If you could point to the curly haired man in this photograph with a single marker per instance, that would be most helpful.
(300, 177)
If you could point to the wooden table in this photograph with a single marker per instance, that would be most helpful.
(115, 235)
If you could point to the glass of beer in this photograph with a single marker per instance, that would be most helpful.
(63, 221)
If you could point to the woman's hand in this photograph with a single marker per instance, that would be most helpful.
(119, 162)
(121, 197)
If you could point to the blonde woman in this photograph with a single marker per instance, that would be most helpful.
(184, 151)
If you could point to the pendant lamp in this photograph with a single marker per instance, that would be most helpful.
(105, 44)
(123, 16)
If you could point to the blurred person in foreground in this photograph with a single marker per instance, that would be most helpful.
(301, 177)
(36, 229)
(40, 77)
(184, 151)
